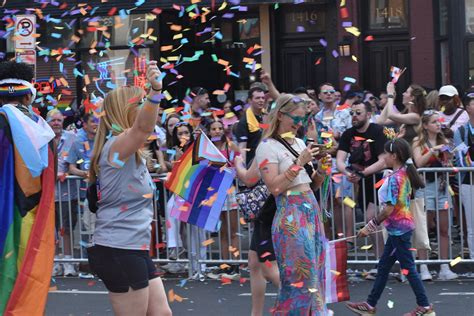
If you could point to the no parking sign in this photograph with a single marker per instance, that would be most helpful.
(25, 32)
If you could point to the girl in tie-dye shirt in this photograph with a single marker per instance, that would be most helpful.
(394, 196)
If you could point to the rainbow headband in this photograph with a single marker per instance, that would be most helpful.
(16, 87)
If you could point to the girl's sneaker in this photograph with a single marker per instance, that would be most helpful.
(361, 308)
(420, 310)
(425, 273)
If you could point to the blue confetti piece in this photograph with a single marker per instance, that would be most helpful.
(182, 283)
(290, 218)
(117, 161)
(323, 42)
(56, 35)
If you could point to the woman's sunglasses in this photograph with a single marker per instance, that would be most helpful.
(298, 119)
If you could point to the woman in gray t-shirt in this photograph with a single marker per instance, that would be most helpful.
(125, 211)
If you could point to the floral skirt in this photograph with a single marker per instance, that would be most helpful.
(299, 242)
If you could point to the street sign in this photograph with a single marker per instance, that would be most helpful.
(25, 32)
(27, 56)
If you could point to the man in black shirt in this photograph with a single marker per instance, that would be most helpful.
(364, 141)
(248, 131)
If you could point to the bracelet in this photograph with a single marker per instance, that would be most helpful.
(390, 96)
(153, 101)
(157, 90)
(288, 177)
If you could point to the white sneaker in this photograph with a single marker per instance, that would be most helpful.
(446, 274)
(425, 273)
(58, 269)
(69, 269)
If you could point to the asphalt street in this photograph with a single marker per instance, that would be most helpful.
(73, 296)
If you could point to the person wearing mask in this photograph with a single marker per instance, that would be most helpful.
(248, 131)
(28, 163)
(464, 142)
(66, 199)
(120, 254)
(431, 150)
(359, 158)
(297, 230)
(394, 197)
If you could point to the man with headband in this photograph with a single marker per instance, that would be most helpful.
(27, 177)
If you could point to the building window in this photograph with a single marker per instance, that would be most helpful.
(443, 17)
(303, 19)
(469, 16)
(116, 68)
(388, 14)
(445, 65)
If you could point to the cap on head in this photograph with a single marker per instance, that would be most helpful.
(258, 84)
(448, 90)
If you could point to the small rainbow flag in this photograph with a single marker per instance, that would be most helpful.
(202, 180)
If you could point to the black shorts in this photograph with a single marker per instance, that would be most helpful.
(121, 269)
(63, 220)
(262, 241)
(370, 194)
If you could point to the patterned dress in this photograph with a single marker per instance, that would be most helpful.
(298, 238)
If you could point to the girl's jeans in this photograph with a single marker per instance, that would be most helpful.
(397, 248)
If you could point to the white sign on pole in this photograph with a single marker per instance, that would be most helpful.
(25, 32)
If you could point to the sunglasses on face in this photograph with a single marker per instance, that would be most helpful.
(328, 91)
(183, 133)
(353, 113)
(429, 112)
(297, 119)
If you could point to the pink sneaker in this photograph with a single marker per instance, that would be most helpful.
(420, 310)
(361, 308)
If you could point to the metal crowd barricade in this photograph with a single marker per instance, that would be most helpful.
(177, 242)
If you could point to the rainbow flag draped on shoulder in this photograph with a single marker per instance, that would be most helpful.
(26, 212)
(202, 180)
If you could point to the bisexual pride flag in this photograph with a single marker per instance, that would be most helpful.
(202, 180)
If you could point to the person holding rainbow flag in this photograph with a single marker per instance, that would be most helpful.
(27, 180)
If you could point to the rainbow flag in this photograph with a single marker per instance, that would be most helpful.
(26, 227)
(335, 272)
(202, 180)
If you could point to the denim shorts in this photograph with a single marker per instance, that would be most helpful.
(121, 269)
(434, 198)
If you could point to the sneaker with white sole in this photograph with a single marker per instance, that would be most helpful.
(69, 269)
(425, 273)
(58, 269)
(446, 274)
(232, 273)
(361, 308)
(420, 310)
(216, 274)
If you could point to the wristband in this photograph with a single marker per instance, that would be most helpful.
(390, 96)
(157, 90)
(371, 226)
(288, 177)
(153, 101)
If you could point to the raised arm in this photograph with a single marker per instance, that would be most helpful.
(272, 90)
(408, 118)
(131, 140)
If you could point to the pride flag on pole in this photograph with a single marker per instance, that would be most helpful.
(335, 272)
(202, 180)
(26, 216)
